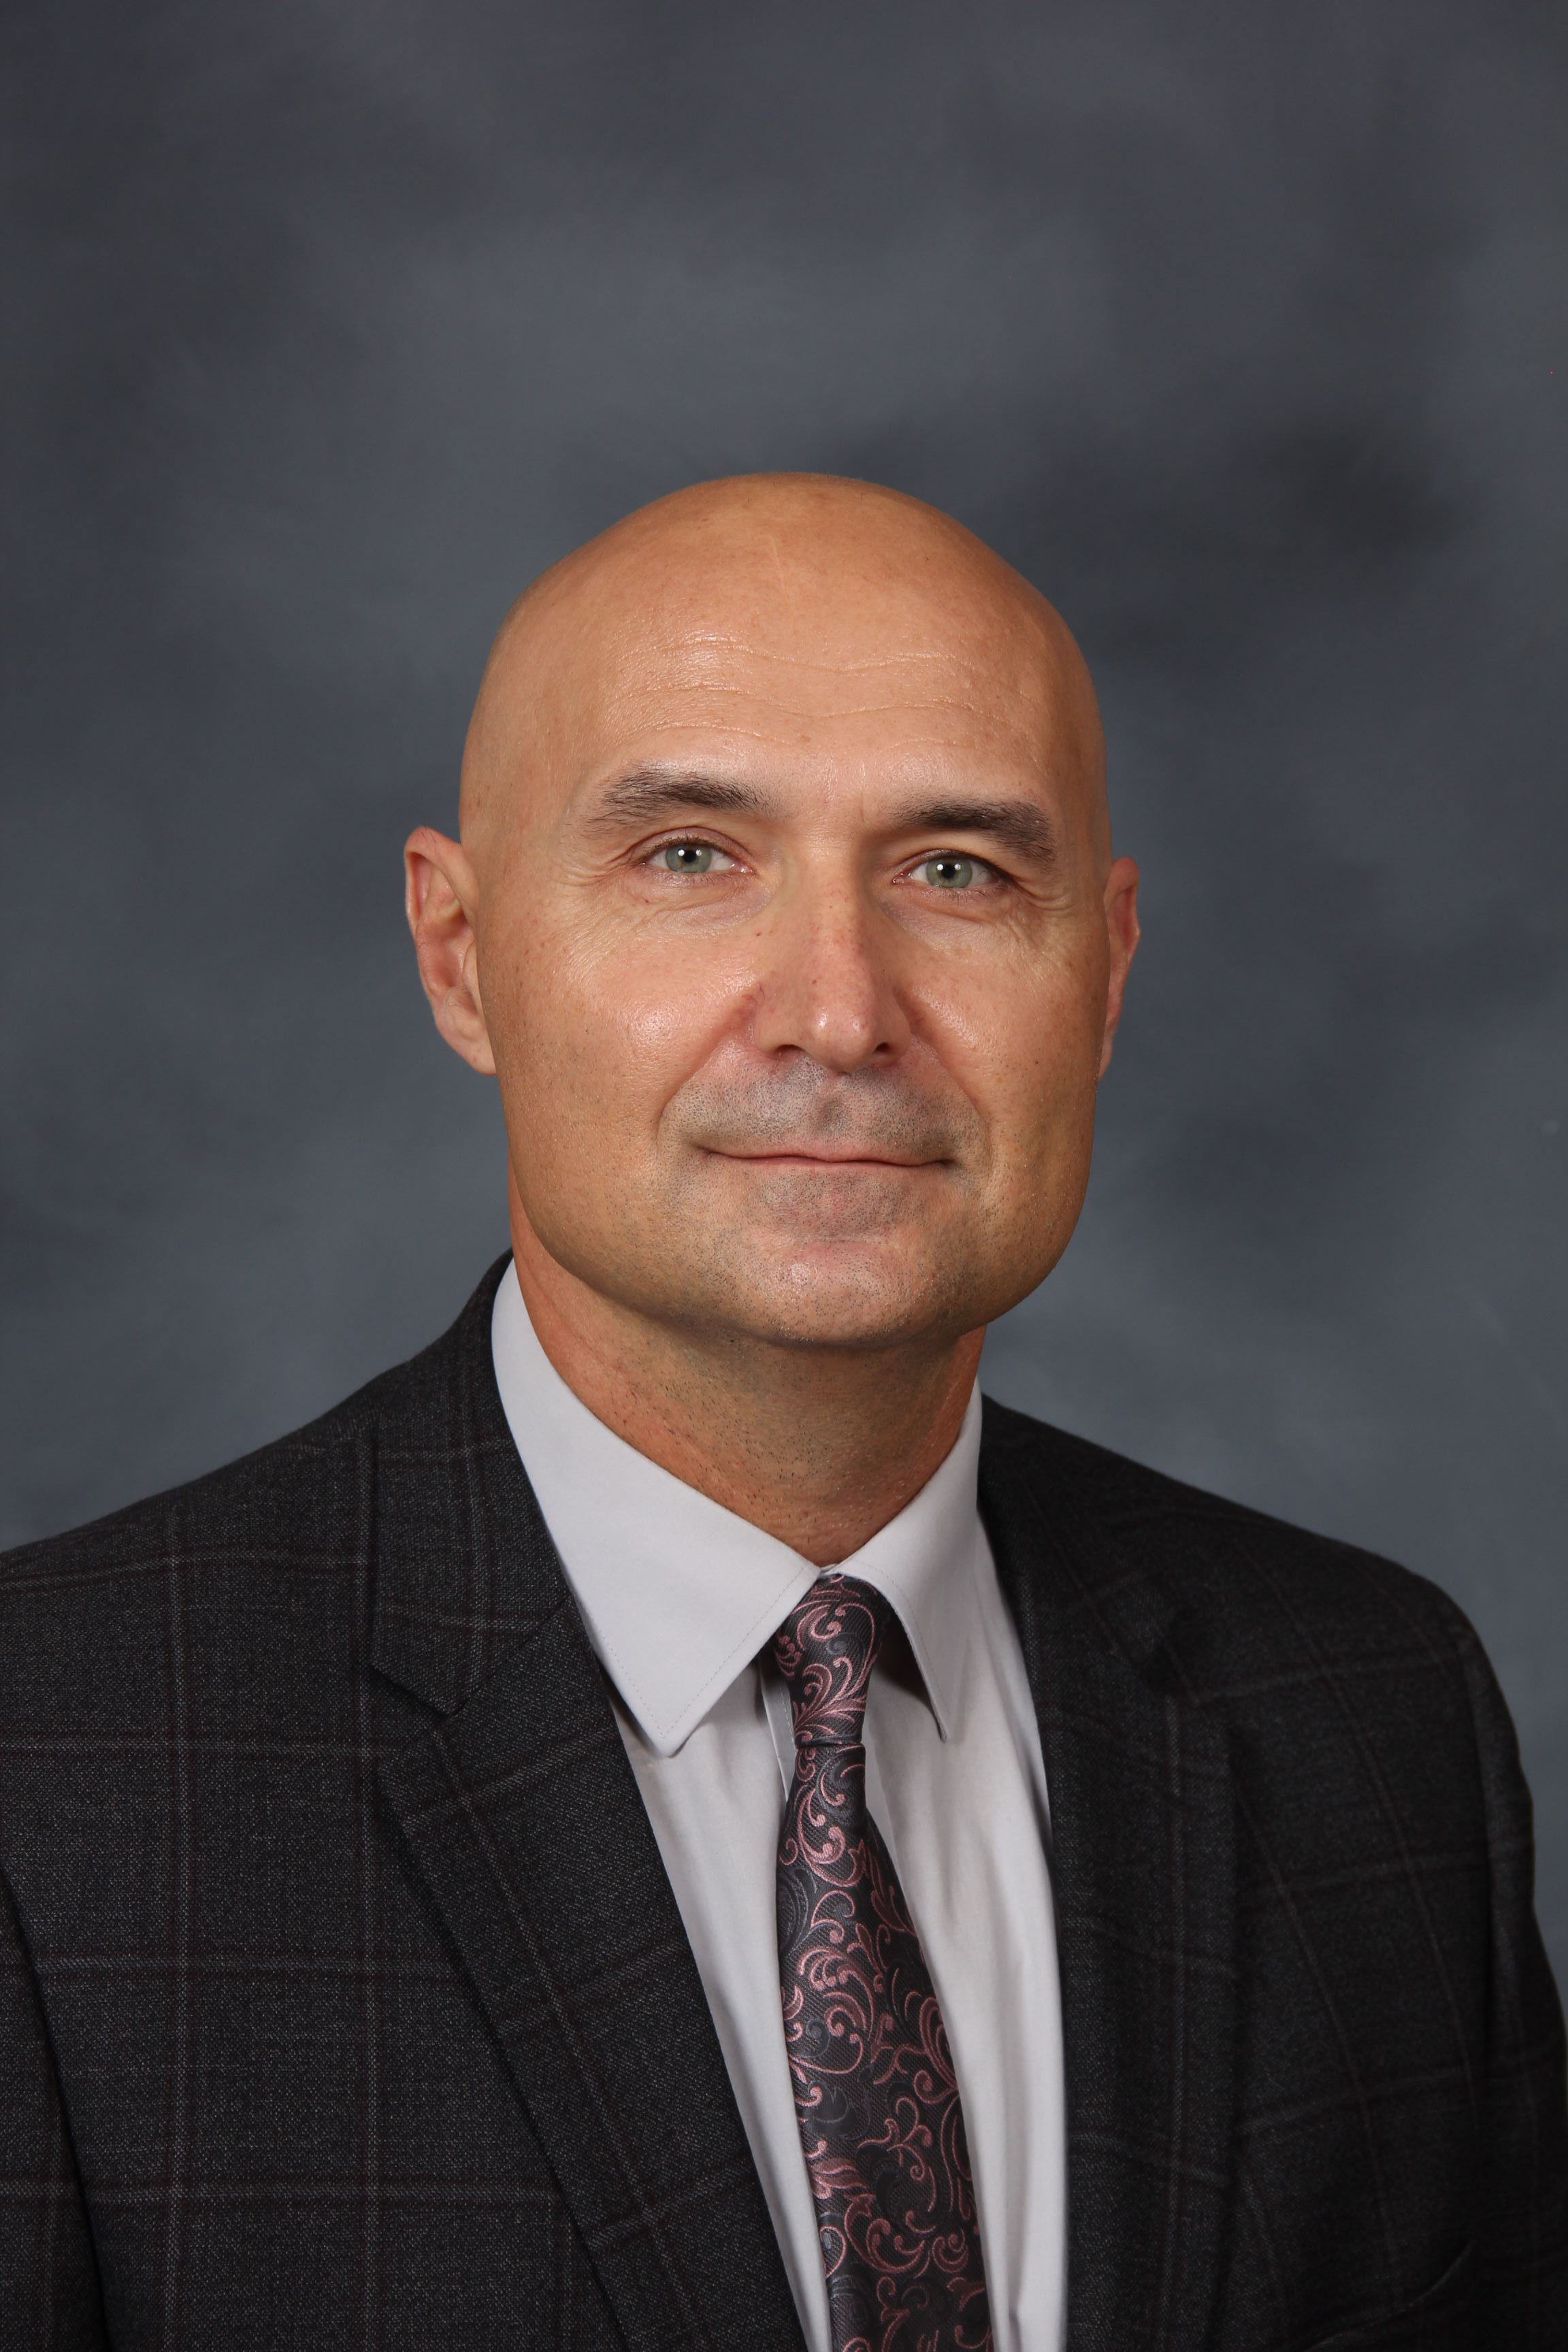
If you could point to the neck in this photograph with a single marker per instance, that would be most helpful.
(817, 1447)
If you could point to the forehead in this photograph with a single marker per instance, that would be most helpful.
(760, 657)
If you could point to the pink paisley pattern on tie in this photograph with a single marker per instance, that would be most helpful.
(874, 2086)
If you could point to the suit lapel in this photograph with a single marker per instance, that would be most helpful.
(522, 1815)
(1142, 1873)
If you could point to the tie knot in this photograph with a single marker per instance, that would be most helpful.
(826, 1650)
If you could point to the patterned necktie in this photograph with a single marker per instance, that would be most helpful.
(874, 2087)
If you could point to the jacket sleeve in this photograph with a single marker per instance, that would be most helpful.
(1522, 2229)
(49, 2298)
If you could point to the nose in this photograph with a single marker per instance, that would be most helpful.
(826, 988)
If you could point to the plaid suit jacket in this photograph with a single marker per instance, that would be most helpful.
(345, 2001)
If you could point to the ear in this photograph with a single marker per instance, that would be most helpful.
(1122, 935)
(441, 898)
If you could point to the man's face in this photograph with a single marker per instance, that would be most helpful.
(794, 957)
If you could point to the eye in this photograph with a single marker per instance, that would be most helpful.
(691, 857)
(948, 870)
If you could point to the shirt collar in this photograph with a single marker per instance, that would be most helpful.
(678, 1593)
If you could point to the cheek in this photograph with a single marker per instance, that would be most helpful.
(617, 1025)
(1022, 1038)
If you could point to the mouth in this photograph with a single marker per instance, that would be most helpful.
(828, 1159)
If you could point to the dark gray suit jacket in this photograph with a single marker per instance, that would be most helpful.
(345, 2001)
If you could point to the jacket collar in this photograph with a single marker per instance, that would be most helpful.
(1143, 1870)
(525, 1821)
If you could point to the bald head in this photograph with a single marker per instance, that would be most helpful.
(819, 600)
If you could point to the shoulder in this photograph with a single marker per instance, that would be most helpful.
(300, 1481)
(302, 1495)
(279, 1534)
(1244, 1591)
(1331, 1667)
(231, 1618)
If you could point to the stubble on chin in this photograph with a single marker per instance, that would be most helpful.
(848, 1260)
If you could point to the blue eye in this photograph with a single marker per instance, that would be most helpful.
(688, 857)
(948, 872)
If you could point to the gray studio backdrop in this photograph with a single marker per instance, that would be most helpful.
(1239, 328)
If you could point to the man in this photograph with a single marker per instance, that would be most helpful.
(663, 1823)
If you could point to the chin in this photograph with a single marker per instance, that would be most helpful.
(841, 1296)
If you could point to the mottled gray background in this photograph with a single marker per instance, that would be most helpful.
(1238, 327)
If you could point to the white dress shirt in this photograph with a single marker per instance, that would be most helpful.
(679, 1596)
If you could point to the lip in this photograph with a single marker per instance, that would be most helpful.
(822, 1159)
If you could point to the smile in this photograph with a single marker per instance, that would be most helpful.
(822, 1159)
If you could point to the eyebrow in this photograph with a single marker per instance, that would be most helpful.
(1021, 826)
(656, 792)
(1018, 825)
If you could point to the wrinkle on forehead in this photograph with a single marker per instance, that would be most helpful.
(790, 592)
(702, 640)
